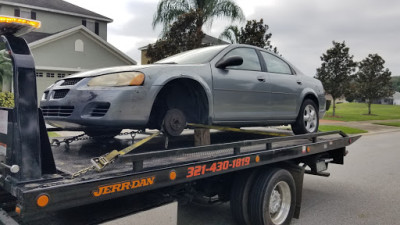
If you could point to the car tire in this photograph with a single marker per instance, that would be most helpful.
(273, 198)
(174, 122)
(102, 133)
(308, 119)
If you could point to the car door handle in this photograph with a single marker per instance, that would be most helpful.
(261, 78)
(299, 82)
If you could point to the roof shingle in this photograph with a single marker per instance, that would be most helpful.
(59, 5)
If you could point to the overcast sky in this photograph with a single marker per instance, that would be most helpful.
(301, 29)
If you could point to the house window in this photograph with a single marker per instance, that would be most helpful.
(39, 74)
(61, 75)
(90, 25)
(17, 12)
(49, 74)
(79, 46)
(84, 23)
(96, 28)
(25, 13)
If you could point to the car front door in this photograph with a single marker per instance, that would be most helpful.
(285, 87)
(240, 92)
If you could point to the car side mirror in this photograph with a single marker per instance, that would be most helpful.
(230, 61)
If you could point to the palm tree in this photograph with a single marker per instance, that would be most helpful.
(231, 33)
(207, 10)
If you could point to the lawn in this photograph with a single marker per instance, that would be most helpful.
(53, 134)
(359, 111)
(393, 124)
(347, 130)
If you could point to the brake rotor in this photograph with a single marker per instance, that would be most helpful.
(174, 122)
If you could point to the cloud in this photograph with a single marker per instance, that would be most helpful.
(303, 30)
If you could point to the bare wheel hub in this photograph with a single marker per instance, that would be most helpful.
(174, 122)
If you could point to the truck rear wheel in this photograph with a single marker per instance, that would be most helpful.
(273, 198)
(239, 199)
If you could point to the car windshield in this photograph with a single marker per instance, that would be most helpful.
(195, 56)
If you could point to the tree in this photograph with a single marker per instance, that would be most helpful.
(168, 11)
(183, 35)
(254, 33)
(336, 68)
(396, 83)
(373, 80)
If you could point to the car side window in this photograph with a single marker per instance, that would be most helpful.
(250, 59)
(275, 64)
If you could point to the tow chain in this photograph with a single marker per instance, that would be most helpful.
(82, 137)
(99, 163)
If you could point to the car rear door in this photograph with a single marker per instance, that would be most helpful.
(285, 87)
(240, 92)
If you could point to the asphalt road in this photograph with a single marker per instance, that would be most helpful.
(366, 190)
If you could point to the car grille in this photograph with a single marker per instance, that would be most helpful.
(100, 110)
(71, 81)
(58, 111)
(60, 93)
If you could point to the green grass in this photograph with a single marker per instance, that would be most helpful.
(393, 124)
(347, 130)
(358, 111)
(53, 134)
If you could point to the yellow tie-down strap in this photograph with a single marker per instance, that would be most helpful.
(100, 162)
(238, 130)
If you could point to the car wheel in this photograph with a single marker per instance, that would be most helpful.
(102, 133)
(174, 122)
(308, 118)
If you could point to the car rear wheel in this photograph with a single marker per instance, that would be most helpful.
(308, 118)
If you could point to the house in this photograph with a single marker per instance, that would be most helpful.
(207, 40)
(396, 98)
(71, 39)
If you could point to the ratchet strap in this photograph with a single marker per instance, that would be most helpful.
(100, 162)
(238, 130)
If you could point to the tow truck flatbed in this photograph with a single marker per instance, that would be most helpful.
(125, 177)
(248, 170)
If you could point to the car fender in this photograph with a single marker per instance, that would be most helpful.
(303, 94)
(162, 80)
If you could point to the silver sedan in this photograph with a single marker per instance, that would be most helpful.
(231, 85)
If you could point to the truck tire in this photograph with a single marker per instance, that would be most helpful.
(240, 196)
(308, 119)
(272, 198)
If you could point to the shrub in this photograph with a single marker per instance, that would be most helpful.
(7, 99)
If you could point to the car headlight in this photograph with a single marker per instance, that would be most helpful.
(118, 79)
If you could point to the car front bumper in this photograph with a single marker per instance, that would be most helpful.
(80, 107)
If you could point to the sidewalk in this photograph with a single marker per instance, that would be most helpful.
(364, 125)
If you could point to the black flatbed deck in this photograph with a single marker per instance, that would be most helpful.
(156, 165)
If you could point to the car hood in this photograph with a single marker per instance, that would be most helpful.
(97, 72)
